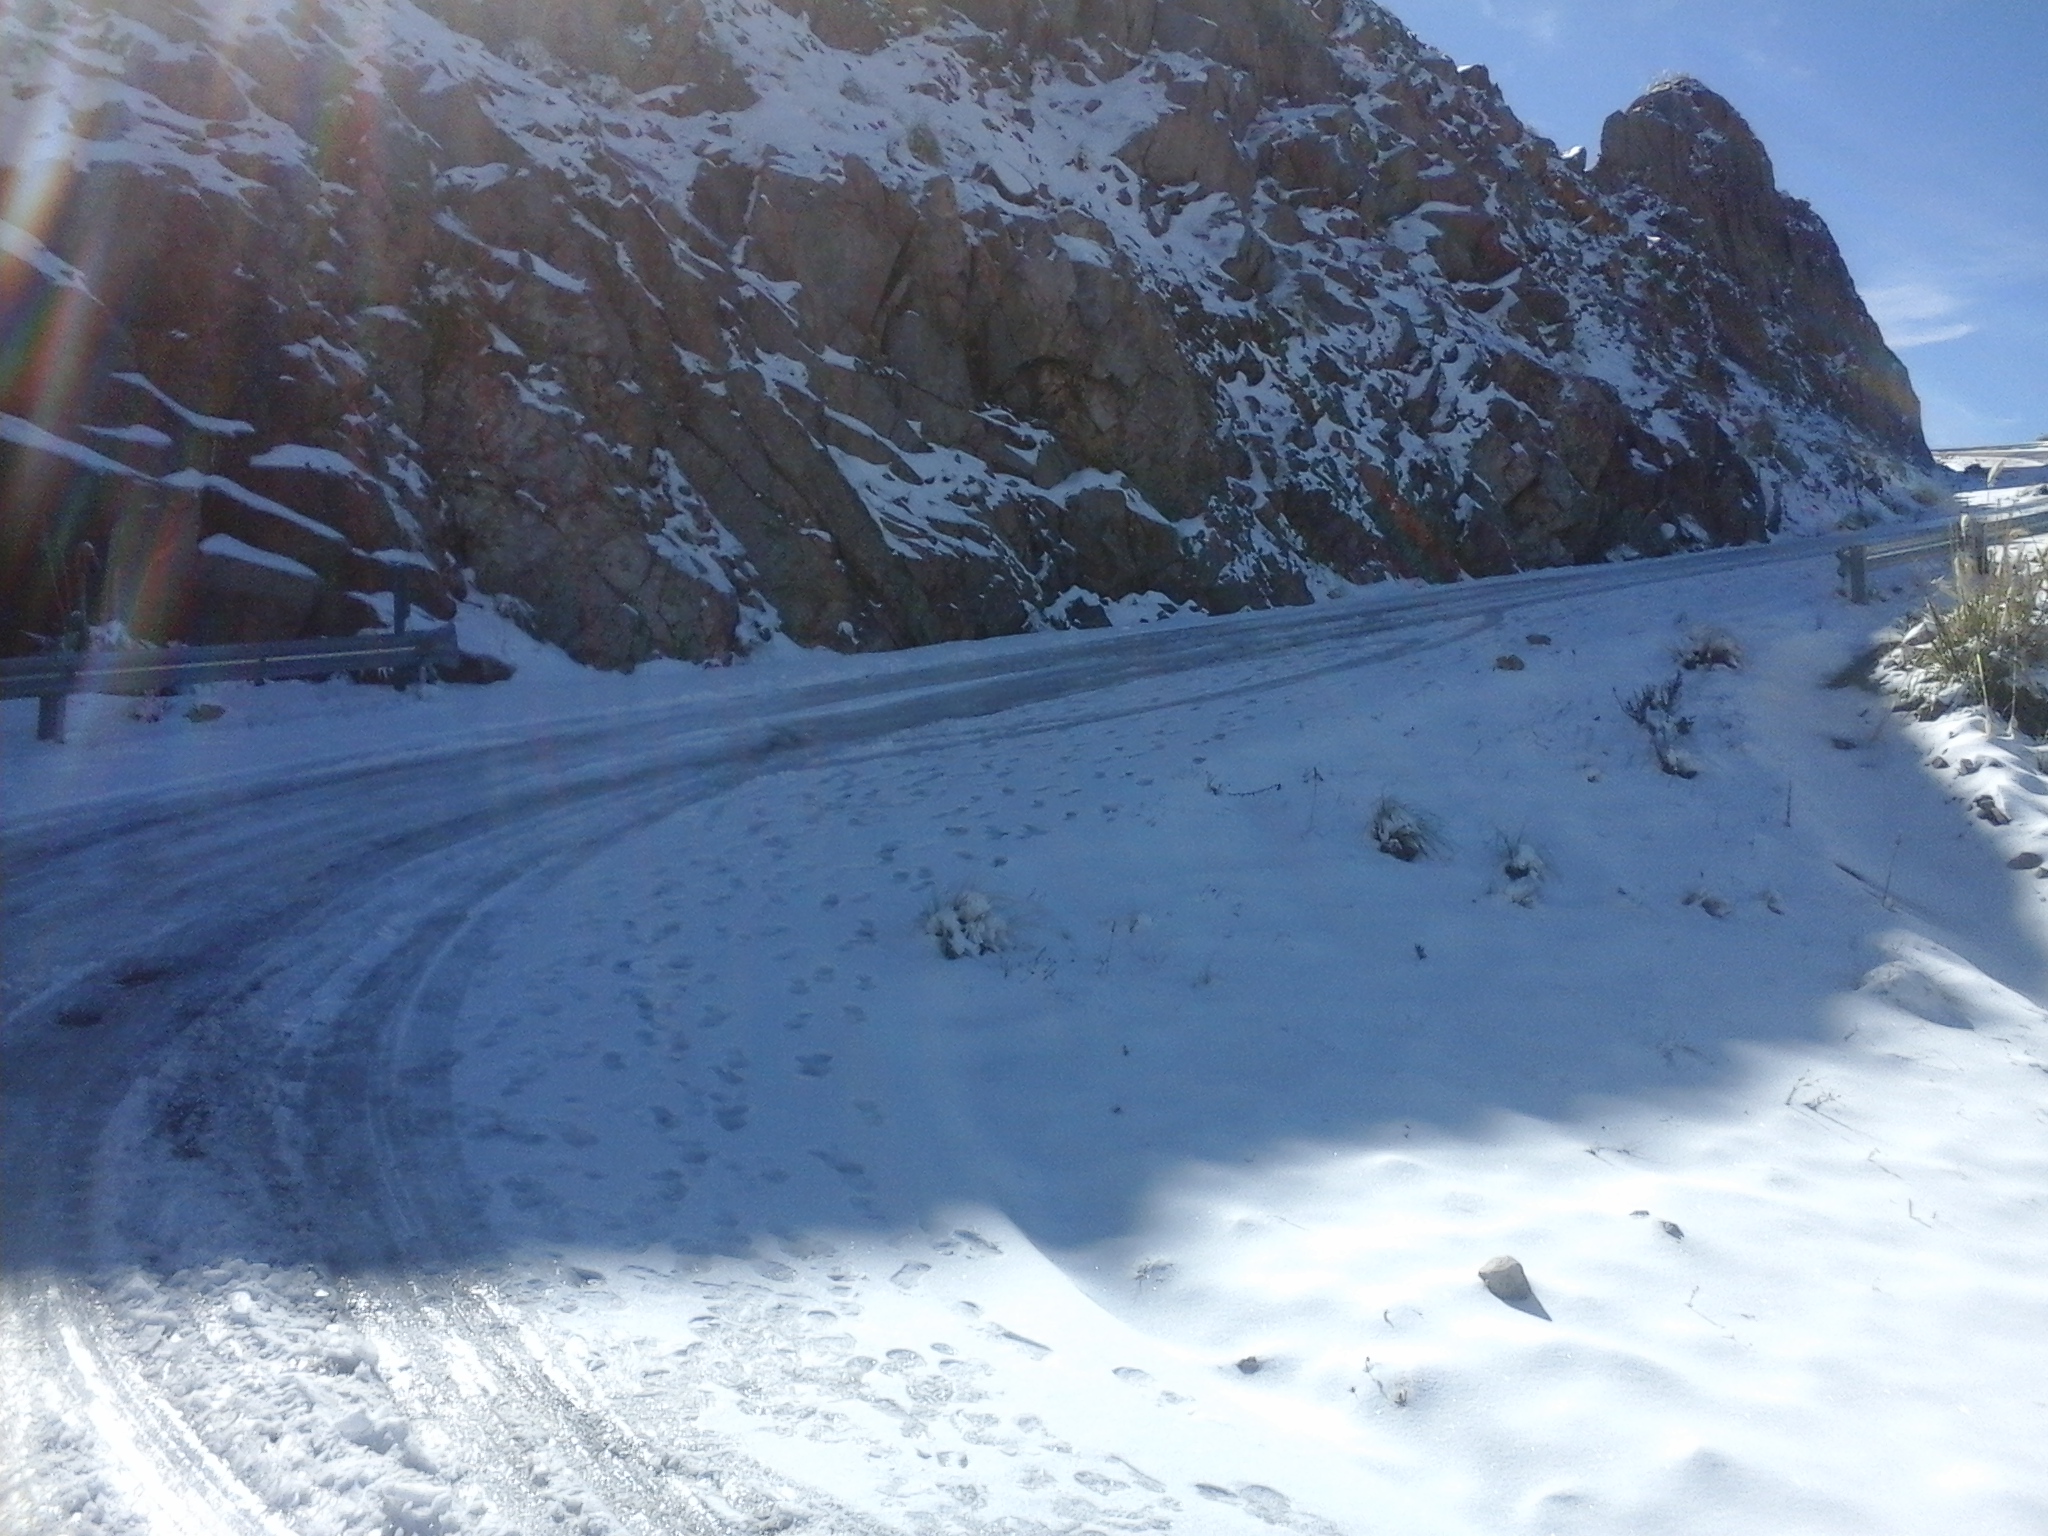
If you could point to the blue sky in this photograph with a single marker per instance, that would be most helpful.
(1918, 129)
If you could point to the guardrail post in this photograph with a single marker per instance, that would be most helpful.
(402, 677)
(1855, 566)
(1980, 546)
(50, 708)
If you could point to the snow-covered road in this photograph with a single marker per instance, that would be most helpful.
(565, 1123)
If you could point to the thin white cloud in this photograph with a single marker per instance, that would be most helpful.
(1918, 338)
(1541, 24)
(1916, 314)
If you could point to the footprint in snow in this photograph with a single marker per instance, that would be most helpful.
(1148, 1483)
(815, 1065)
(1097, 1484)
(670, 1185)
(1267, 1504)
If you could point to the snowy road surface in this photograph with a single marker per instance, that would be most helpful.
(569, 1123)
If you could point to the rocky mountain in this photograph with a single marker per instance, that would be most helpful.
(670, 325)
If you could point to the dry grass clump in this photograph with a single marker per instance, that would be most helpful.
(1654, 707)
(1982, 640)
(1707, 648)
(1404, 833)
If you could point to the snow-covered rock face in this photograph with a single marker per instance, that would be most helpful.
(682, 324)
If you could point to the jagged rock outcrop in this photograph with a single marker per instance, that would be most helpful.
(1781, 297)
(671, 324)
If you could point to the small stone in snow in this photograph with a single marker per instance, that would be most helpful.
(1509, 664)
(1504, 1277)
(1251, 1365)
(2024, 861)
(1988, 809)
(1639, 1213)
(1672, 1228)
(1537, 639)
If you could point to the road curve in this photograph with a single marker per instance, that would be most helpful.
(239, 983)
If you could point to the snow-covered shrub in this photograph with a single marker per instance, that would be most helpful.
(1524, 870)
(1403, 833)
(966, 924)
(1654, 707)
(1982, 640)
(1707, 647)
(1707, 902)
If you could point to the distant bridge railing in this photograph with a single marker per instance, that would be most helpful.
(1970, 537)
(54, 676)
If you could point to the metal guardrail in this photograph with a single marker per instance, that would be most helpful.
(1970, 533)
(1995, 450)
(54, 676)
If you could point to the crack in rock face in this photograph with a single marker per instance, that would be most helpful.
(668, 329)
